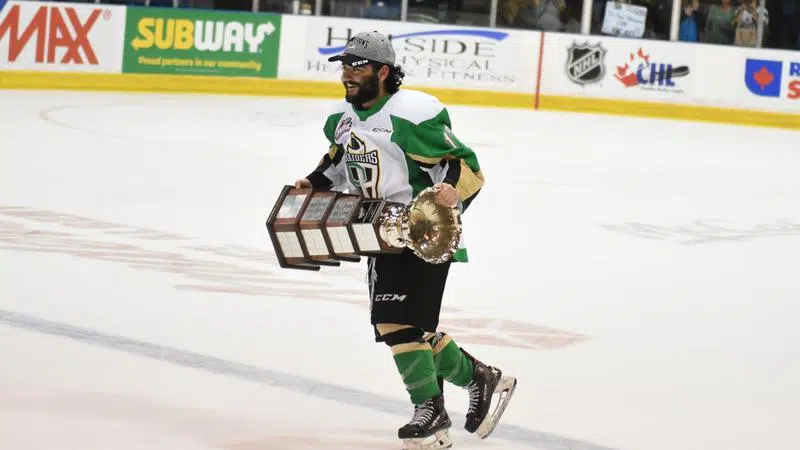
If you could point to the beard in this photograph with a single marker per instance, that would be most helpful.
(367, 90)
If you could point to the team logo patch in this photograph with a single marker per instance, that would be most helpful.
(343, 127)
(586, 63)
(363, 165)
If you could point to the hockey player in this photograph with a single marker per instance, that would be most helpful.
(391, 144)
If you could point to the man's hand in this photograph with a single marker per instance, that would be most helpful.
(446, 195)
(302, 183)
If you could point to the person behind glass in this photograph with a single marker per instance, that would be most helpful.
(719, 23)
(746, 23)
(788, 24)
(542, 15)
(690, 18)
(383, 9)
(391, 143)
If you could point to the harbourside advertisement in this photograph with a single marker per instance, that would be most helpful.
(430, 55)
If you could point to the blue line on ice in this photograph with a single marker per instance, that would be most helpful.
(308, 386)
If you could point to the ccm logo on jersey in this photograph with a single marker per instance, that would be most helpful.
(389, 298)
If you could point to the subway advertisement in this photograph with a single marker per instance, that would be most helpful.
(199, 42)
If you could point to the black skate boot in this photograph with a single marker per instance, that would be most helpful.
(428, 429)
(486, 381)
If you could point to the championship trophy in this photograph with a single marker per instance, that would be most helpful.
(310, 228)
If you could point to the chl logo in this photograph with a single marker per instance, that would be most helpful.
(49, 26)
(586, 63)
(389, 298)
(641, 71)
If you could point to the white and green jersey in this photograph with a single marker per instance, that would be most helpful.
(395, 149)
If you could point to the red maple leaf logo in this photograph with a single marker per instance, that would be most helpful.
(763, 77)
(622, 70)
(641, 55)
(631, 79)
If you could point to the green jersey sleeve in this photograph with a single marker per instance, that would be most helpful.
(432, 142)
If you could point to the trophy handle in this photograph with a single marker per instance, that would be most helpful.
(285, 232)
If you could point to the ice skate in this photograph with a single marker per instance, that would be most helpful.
(486, 382)
(428, 429)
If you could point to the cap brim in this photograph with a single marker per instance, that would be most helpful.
(350, 60)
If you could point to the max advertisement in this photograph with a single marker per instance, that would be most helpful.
(60, 37)
(431, 55)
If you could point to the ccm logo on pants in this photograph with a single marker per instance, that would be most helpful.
(389, 298)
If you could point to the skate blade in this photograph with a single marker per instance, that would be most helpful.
(505, 388)
(440, 439)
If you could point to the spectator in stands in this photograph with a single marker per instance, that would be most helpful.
(689, 30)
(383, 9)
(659, 13)
(543, 15)
(719, 23)
(746, 23)
(788, 26)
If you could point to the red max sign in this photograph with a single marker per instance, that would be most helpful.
(48, 31)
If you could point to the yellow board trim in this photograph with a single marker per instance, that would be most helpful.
(234, 86)
(670, 111)
(316, 89)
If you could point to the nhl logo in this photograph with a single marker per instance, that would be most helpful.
(586, 63)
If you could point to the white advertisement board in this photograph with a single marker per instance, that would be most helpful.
(671, 72)
(55, 37)
(626, 69)
(431, 55)
(768, 79)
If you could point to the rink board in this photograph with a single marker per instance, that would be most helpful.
(285, 55)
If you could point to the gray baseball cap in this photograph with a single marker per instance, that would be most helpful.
(365, 47)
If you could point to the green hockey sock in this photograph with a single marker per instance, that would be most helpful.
(452, 363)
(418, 371)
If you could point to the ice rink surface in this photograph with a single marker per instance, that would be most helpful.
(639, 277)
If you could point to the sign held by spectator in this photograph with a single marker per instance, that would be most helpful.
(624, 20)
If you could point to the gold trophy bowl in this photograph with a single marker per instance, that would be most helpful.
(432, 231)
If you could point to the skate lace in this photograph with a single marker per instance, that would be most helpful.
(474, 397)
(422, 414)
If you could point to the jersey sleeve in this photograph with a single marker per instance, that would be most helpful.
(432, 142)
(330, 172)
